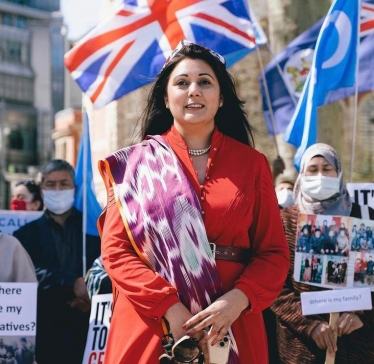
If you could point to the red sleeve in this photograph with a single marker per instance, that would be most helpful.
(263, 278)
(148, 292)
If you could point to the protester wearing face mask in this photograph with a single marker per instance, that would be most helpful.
(284, 190)
(319, 189)
(54, 243)
(26, 196)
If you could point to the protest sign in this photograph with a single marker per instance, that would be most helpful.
(11, 221)
(342, 300)
(101, 312)
(17, 319)
(362, 195)
(18, 309)
(334, 251)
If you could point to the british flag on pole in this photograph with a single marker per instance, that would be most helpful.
(128, 51)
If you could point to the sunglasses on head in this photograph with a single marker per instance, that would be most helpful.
(28, 182)
(185, 350)
(184, 43)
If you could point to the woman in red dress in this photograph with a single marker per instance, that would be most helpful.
(194, 106)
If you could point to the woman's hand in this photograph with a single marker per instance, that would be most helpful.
(324, 336)
(347, 323)
(219, 316)
(177, 315)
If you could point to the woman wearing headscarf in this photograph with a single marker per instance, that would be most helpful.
(319, 189)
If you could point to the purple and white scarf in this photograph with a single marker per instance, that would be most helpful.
(163, 219)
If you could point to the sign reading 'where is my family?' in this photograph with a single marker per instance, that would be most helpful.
(342, 300)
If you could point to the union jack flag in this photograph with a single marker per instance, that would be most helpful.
(367, 19)
(128, 51)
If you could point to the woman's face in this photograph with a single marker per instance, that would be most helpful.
(319, 165)
(193, 94)
(22, 193)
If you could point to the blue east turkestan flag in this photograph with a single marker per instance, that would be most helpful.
(333, 67)
(287, 72)
(84, 181)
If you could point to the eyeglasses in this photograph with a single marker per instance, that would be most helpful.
(184, 43)
(185, 350)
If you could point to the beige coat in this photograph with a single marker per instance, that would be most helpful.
(15, 263)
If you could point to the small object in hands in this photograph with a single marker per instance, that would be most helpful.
(185, 350)
(278, 166)
(219, 352)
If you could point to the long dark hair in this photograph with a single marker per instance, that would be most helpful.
(231, 119)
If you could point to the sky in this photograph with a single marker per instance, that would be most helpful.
(80, 16)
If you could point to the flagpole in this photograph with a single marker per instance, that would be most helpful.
(290, 92)
(267, 95)
(355, 106)
(84, 212)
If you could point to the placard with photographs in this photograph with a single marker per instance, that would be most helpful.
(334, 251)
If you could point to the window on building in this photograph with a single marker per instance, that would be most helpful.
(6, 19)
(14, 88)
(14, 50)
(21, 22)
(15, 140)
(20, 2)
(48, 5)
(21, 138)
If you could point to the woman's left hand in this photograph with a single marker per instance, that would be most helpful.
(219, 316)
(347, 323)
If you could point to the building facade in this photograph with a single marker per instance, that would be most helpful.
(31, 87)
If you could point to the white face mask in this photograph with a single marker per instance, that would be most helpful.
(320, 187)
(285, 198)
(58, 201)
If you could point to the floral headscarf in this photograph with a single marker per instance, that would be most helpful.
(336, 205)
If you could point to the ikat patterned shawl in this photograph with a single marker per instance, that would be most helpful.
(163, 219)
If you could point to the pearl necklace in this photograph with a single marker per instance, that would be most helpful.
(198, 152)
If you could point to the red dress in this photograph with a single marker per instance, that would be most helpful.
(239, 209)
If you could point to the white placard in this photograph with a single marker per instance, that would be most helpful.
(342, 300)
(13, 220)
(101, 312)
(362, 193)
(18, 309)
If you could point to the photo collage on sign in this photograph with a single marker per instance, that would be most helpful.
(17, 349)
(334, 251)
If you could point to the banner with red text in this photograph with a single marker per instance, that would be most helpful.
(101, 312)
